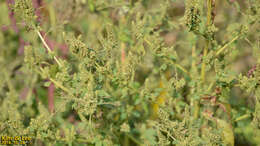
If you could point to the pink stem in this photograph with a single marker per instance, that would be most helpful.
(64, 49)
(11, 15)
(21, 46)
(37, 4)
(24, 93)
(36, 95)
(51, 89)
(14, 26)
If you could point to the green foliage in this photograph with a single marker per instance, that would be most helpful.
(26, 12)
(138, 72)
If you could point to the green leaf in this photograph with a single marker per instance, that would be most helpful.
(163, 67)
(47, 84)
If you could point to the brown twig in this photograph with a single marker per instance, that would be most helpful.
(51, 89)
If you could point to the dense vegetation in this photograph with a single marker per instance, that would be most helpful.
(130, 72)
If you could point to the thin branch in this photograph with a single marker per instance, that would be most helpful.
(60, 85)
(242, 117)
(225, 46)
(134, 139)
(47, 47)
(210, 6)
(176, 64)
(203, 67)
(182, 69)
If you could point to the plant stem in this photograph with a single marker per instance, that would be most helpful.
(242, 117)
(134, 139)
(126, 140)
(203, 67)
(8, 81)
(182, 69)
(51, 90)
(195, 103)
(193, 64)
(209, 12)
(196, 109)
(210, 86)
(205, 50)
(176, 64)
(225, 46)
(59, 85)
(47, 47)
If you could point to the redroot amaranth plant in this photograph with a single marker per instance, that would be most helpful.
(116, 72)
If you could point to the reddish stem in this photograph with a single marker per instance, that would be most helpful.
(24, 93)
(11, 15)
(38, 4)
(36, 95)
(21, 46)
(14, 27)
(51, 89)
